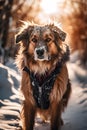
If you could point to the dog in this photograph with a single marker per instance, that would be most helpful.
(45, 82)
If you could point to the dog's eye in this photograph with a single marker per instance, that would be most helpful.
(48, 40)
(34, 40)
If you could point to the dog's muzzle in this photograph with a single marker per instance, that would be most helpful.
(41, 54)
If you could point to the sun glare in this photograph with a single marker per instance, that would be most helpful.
(50, 6)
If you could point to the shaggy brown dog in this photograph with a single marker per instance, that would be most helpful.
(45, 83)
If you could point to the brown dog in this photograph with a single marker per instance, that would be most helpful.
(45, 83)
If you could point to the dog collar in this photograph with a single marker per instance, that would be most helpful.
(42, 91)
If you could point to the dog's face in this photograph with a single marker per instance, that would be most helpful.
(41, 43)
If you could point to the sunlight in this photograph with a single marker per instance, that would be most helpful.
(50, 6)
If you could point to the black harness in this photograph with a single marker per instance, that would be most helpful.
(41, 91)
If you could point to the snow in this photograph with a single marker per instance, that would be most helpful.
(75, 115)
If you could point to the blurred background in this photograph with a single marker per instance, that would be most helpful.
(71, 15)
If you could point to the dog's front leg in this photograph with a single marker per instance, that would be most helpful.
(56, 120)
(27, 116)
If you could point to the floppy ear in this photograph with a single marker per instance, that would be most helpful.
(61, 34)
(22, 35)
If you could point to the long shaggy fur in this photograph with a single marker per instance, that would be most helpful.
(52, 37)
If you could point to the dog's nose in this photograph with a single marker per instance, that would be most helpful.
(40, 52)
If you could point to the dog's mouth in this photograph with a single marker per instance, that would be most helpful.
(42, 58)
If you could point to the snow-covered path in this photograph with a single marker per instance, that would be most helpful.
(75, 116)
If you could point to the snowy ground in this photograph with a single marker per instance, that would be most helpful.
(75, 116)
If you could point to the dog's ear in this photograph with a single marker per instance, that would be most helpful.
(24, 34)
(21, 36)
(61, 34)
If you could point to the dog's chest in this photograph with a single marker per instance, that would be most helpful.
(42, 86)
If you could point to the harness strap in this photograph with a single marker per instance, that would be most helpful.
(26, 69)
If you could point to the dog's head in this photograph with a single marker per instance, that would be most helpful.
(41, 43)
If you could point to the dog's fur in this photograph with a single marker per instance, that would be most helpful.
(30, 38)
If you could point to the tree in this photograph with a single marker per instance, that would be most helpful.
(11, 11)
(77, 26)
(5, 13)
